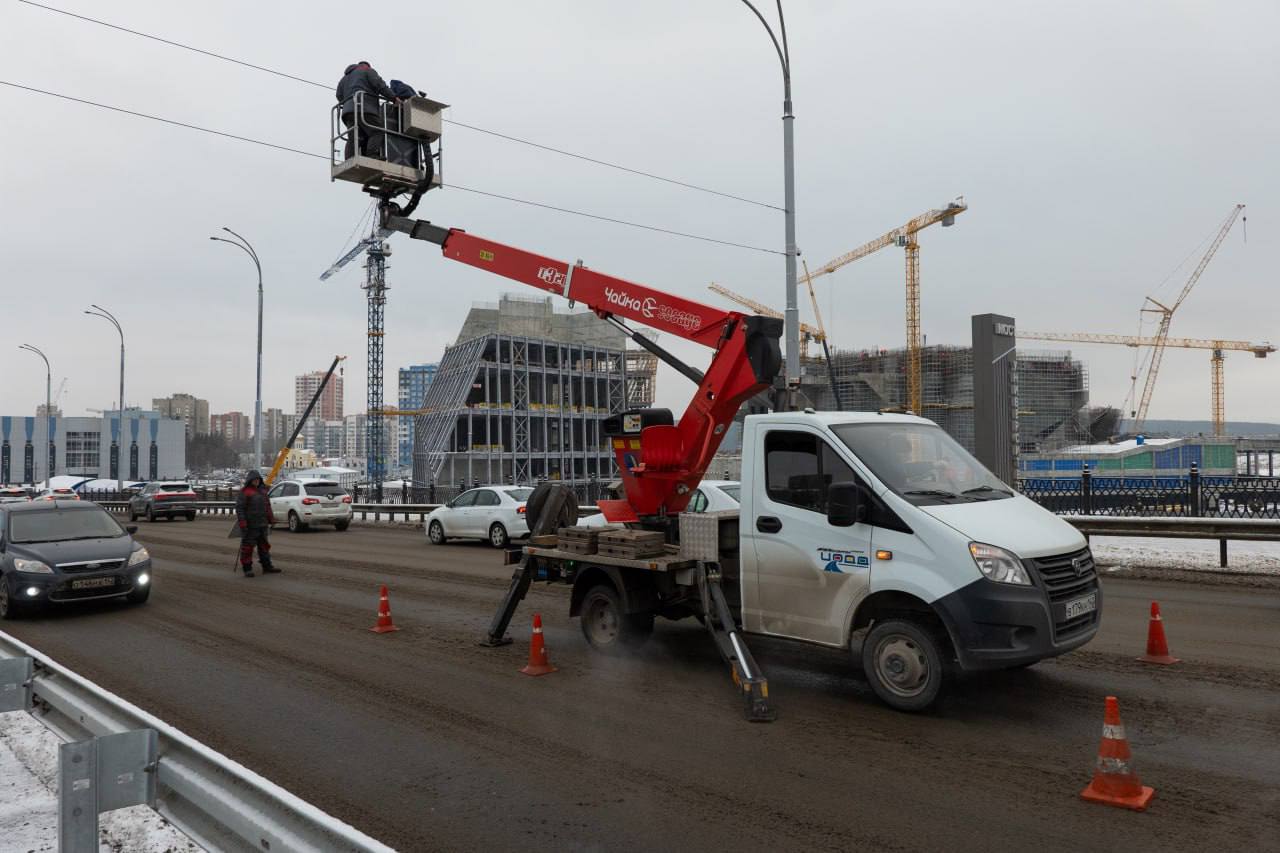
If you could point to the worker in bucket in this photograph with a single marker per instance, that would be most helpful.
(360, 77)
(253, 515)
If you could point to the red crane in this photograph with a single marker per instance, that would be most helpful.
(661, 461)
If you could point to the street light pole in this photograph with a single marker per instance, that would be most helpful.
(99, 311)
(792, 314)
(48, 412)
(244, 244)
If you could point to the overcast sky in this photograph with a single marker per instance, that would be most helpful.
(1098, 144)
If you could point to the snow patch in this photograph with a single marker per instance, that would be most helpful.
(29, 799)
(1196, 554)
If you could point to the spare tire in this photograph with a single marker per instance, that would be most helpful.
(540, 500)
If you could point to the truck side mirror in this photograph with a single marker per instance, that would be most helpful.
(847, 504)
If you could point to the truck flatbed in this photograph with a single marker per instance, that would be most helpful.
(665, 563)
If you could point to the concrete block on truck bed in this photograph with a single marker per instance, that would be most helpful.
(708, 536)
(631, 544)
(580, 540)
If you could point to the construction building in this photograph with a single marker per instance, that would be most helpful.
(522, 396)
(1052, 392)
(192, 411)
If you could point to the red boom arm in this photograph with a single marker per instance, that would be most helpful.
(662, 464)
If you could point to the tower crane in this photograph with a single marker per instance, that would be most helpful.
(1218, 347)
(808, 333)
(1159, 340)
(904, 236)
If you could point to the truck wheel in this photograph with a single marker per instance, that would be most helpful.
(533, 507)
(904, 662)
(606, 627)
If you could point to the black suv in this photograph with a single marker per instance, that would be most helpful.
(59, 551)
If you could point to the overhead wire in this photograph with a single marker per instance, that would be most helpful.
(515, 199)
(506, 136)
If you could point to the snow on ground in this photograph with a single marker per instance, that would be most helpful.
(1194, 554)
(29, 800)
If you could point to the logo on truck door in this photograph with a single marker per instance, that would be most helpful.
(838, 561)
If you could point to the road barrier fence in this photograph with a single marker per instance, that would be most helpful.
(1190, 496)
(116, 755)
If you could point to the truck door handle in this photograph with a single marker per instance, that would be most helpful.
(768, 524)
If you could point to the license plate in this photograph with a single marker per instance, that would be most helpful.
(1081, 606)
(93, 583)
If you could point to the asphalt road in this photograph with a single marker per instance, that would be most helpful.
(429, 742)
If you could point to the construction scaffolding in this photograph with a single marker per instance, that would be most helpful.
(1052, 393)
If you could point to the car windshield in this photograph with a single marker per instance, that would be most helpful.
(519, 494)
(734, 492)
(58, 525)
(326, 490)
(922, 463)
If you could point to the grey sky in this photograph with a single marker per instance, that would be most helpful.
(1097, 145)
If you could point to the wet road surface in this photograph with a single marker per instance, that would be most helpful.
(427, 741)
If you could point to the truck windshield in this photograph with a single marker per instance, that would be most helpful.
(922, 463)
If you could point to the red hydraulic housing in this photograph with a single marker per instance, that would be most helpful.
(661, 460)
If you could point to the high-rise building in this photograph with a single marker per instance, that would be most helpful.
(328, 407)
(232, 426)
(192, 411)
(277, 426)
(414, 382)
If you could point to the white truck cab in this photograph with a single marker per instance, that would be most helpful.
(853, 519)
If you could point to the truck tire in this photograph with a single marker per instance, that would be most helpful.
(606, 627)
(904, 661)
(533, 507)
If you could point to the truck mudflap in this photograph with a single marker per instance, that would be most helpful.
(747, 675)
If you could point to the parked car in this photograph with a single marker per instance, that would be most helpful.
(495, 514)
(61, 551)
(13, 494)
(710, 496)
(163, 500)
(302, 503)
(58, 494)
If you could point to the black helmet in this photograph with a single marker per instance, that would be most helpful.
(251, 476)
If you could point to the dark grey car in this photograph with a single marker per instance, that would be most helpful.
(61, 551)
(163, 500)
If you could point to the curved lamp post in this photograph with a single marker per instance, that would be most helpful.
(48, 411)
(792, 315)
(99, 311)
(244, 245)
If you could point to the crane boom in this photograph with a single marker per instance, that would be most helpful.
(944, 215)
(660, 470)
(1166, 317)
(816, 333)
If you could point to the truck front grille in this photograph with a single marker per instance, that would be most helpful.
(1066, 577)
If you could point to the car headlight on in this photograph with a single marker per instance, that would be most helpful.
(34, 567)
(143, 579)
(139, 556)
(999, 565)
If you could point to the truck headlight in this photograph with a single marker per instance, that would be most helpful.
(34, 567)
(139, 556)
(999, 565)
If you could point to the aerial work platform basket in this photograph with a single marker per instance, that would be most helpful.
(386, 147)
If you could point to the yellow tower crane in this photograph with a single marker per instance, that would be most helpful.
(807, 333)
(904, 236)
(1215, 359)
(1159, 340)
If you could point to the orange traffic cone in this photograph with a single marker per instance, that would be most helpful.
(385, 624)
(1157, 645)
(1114, 782)
(538, 663)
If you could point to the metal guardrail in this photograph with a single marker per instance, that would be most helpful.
(1222, 529)
(137, 758)
(389, 512)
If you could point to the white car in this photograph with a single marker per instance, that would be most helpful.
(490, 513)
(711, 496)
(302, 503)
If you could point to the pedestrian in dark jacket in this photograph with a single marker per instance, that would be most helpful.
(357, 78)
(253, 515)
